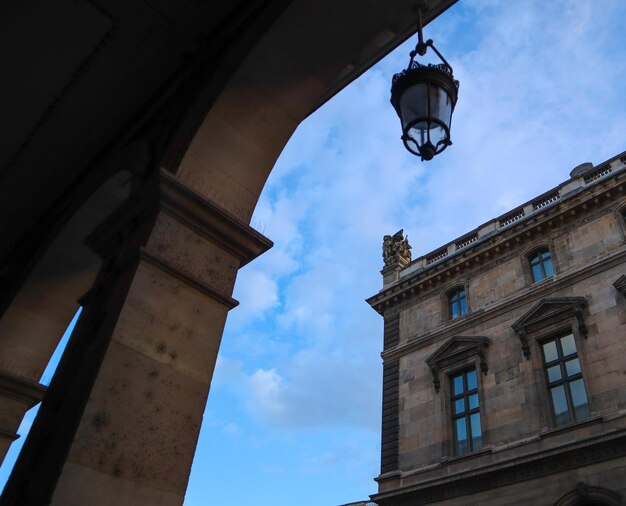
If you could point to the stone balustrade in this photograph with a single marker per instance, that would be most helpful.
(524, 212)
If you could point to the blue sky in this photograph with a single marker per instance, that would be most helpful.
(293, 415)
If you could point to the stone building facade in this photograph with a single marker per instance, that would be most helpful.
(504, 376)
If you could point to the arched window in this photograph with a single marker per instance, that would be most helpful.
(586, 495)
(541, 264)
(457, 303)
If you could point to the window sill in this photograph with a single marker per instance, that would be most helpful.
(570, 426)
(458, 318)
(543, 281)
(469, 455)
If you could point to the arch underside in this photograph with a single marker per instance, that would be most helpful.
(211, 92)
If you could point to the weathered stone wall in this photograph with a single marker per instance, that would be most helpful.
(588, 248)
(548, 489)
(572, 247)
(512, 401)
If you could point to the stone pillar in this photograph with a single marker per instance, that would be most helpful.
(17, 395)
(162, 319)
(34, 322)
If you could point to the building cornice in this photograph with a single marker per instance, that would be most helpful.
(21, 389)
(593, 200)
(528, 295)
(228, 302)
(210, 220)
(571, 455)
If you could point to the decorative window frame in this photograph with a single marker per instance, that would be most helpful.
(458, 353)
(547, 319)
(445, 301)
(549, 316)
(619, 212)
(527, 255)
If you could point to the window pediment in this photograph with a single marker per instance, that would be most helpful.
(455, 351)
(546, 312)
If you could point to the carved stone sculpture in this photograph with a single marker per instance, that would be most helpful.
(396, 249)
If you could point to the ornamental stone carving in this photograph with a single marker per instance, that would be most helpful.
(620, 284)
(396, 250)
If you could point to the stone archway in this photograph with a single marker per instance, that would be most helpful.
(172, 252)
(41, 311)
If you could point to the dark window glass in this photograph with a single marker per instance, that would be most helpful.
(565, 380)
(541, 265)
(554, 373)
(568, 344)
(457, 303)
(549, 351)
(466, 413)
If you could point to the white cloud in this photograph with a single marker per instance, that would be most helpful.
(266, 393)
(231, 429)
(227, 370)
(257, 291)
(541, 91)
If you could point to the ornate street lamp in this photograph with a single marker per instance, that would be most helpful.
(424, 97)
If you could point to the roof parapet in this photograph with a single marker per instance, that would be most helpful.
(579, 181)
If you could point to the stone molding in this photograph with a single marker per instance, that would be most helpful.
(526, 467)
(21, 389)
(210, 220)
(620, 284)
(498, 243)
(546, 311)
(586, 494)
(203, 288)
(8, 434)
(530, 294)
(454, 350)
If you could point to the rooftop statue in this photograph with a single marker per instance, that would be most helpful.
(396, 249)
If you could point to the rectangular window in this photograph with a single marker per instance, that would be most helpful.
(565, 380)
(466, 412)
(457, 303)
(541, 265)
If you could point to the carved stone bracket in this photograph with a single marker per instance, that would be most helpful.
(455, 351)
(523, 337)
(582, 328)
(620, 284)
(547, 312)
